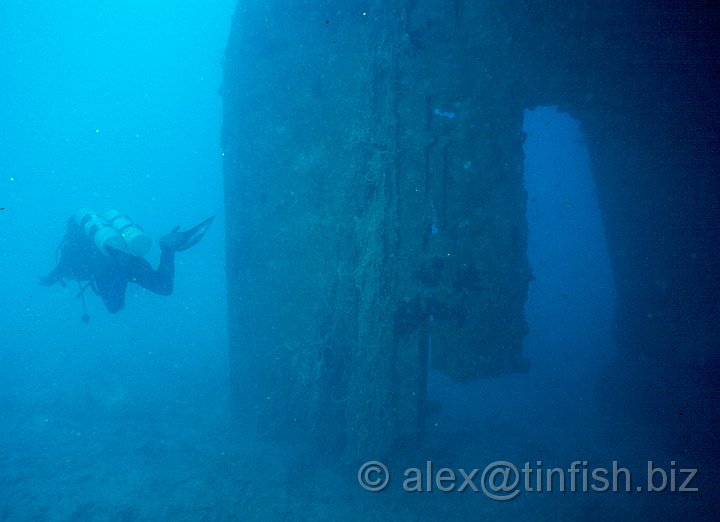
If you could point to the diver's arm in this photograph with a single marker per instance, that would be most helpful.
(50, 279)
(56, 275)
(71, 247)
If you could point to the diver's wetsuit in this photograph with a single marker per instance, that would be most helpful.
(108, 276)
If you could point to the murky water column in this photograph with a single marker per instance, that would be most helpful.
(571, 301)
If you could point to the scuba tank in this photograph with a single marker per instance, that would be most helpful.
(115, 230)
(98, 230)
(137, 242)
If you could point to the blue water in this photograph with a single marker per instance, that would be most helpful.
(110, 105)
(115, 105)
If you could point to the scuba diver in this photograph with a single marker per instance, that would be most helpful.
(105, 252)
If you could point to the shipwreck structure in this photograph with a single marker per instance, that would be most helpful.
(375, 201)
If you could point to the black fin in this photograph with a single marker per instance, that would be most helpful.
(190, 238)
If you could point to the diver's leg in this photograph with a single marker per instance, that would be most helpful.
(159, 281)
(112, 291)
(166, 272)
